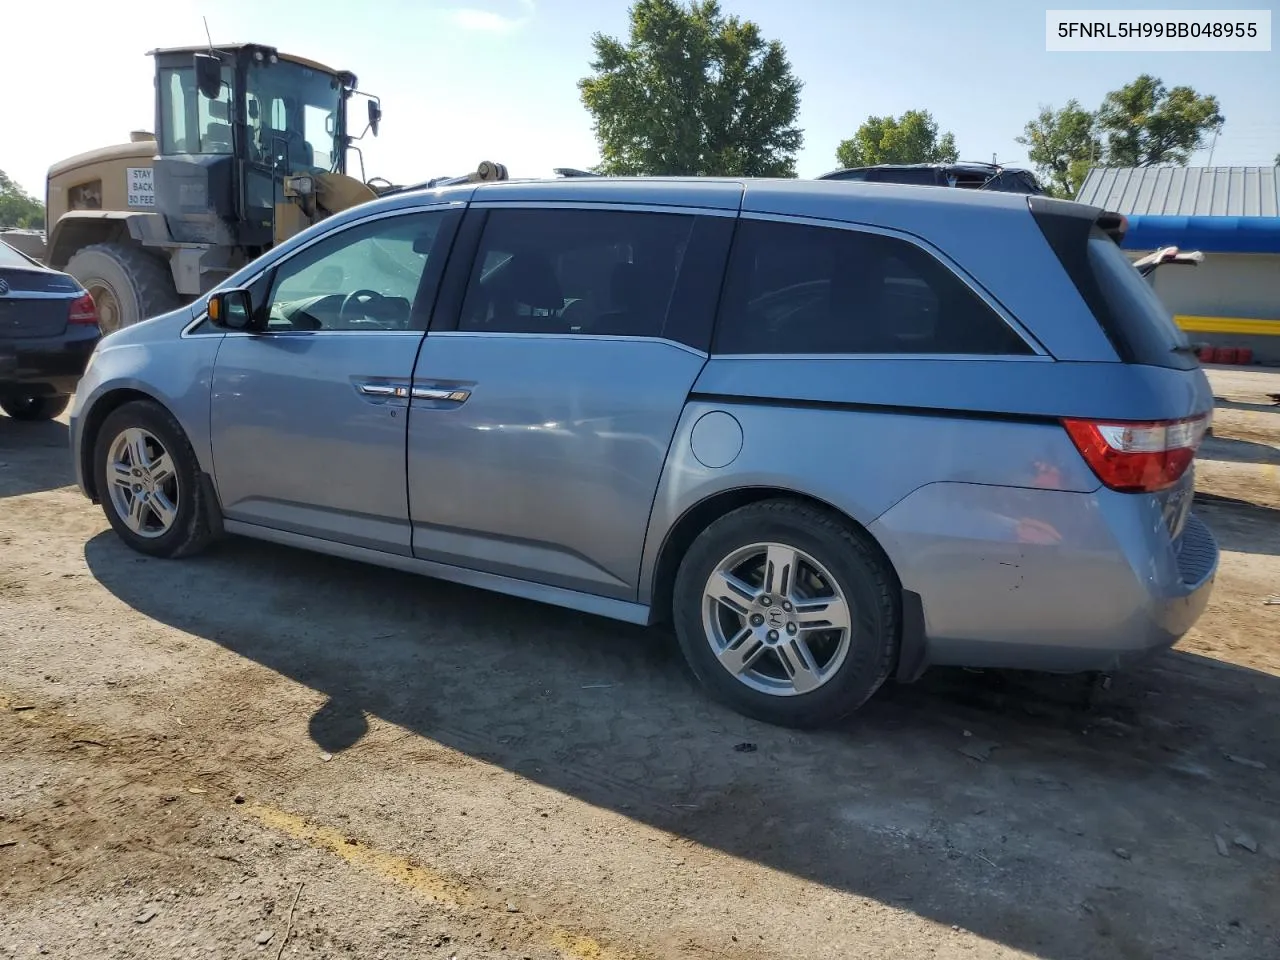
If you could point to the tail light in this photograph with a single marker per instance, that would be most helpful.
(83, 310)
(1139, 457)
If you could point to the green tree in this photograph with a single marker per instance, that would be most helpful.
(1146, 123)
(692, 92)
(910, 138)
(17, 207)
(1062, 144)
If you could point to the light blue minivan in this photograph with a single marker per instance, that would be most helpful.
(833, 432)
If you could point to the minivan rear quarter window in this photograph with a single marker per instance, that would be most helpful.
(801, 289)
(1121, 300)
(1150, 332)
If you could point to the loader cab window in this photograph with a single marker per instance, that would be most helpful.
(191, 123)
(292, 114)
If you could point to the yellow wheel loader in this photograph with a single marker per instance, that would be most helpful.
(250, 147)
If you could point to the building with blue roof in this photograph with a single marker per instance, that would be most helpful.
(1232, 215)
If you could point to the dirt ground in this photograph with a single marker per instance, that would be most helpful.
(265, 753)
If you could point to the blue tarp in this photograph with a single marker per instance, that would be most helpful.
(1210, 234)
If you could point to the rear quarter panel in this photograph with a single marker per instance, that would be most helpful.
(859, 461)
(963, 474)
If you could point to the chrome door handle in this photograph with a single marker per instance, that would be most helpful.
(383, 389)
(452, 394)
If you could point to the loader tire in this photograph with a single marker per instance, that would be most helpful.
(127, 284)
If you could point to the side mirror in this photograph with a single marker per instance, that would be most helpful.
(209, 76)
(375, 116)
(231, 309)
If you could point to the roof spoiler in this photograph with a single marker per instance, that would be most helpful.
(1114, 225)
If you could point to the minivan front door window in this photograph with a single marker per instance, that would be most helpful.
(363, 278)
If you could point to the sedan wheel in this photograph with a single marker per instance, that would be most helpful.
(30, 406)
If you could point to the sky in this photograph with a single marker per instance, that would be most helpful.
(468, 80)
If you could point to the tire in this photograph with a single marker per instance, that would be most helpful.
(832, 684)
(127, 284)
(31, 406)
(188, 531)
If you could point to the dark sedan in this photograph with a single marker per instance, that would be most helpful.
(48, 329)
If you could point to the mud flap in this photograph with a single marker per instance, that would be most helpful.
(212, 507)
(913, 650)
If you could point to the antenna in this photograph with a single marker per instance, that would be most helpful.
(207, 34)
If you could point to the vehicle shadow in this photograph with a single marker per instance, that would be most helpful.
(993, 802)
(1240, 526)
(1237, 451)
(1223, 404)
(33, 456)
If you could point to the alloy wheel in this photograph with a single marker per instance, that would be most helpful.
(776, 619)
(143, 484)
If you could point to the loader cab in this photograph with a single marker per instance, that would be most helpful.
(232, 123)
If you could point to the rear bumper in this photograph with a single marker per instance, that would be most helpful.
(1047, 580)
(48, 365)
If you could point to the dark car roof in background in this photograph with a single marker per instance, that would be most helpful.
(970, 169)
(969, 166)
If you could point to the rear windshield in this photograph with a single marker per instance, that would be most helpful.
(1122, 301)
(1145, 320)
(10, 257)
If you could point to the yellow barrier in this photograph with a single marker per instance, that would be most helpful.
(1238, 325)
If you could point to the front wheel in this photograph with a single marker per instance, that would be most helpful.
(148, 480)
(787, 614)
(33, 406)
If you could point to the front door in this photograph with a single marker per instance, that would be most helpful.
(540, 424)
(309, 415)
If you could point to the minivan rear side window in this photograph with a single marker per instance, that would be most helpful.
(800, 289)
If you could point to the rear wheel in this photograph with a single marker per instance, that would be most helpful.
(786, 613)
(32, 406)
(127, 284)
(148, 479)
